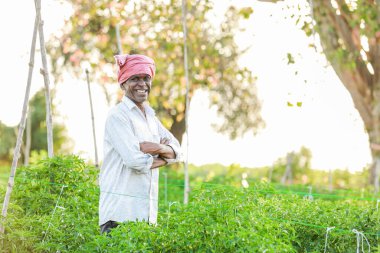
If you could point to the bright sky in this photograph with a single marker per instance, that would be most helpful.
(327, 122)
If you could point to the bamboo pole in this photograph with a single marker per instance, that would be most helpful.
(21, 128)
(288, 171)
(186, 172)
(92, 119)
(45, 73)
(28, 141)
(118, 39)
(331, 187)
(377, 176)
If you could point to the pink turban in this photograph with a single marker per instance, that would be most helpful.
(134, 64)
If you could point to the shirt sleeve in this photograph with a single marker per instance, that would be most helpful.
(173, 143)
(122, 138)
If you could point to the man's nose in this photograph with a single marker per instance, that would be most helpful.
(141, 81)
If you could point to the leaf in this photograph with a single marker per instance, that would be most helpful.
(246, 12)
(290, 58)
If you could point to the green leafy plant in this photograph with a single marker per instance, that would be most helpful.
(54, 208)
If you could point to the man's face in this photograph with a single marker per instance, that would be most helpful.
(137, 87)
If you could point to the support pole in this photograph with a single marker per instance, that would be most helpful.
(44, 71)
(21, 128)
(377, 175)
(92, 119)
(187, 188)
(331, 187)
(118, 39)
(288, 171)
(28, 137)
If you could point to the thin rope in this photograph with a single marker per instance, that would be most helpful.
(55, 208)
(206, 184)
(360, 240)
(327, 235)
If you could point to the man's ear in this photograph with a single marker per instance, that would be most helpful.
(122, 86)
(149, 88)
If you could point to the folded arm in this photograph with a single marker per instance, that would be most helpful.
(158, 162)
(161, 149)
(120, 135)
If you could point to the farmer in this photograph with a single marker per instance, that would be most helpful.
(136, 144)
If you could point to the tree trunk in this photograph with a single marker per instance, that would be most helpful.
(374, 137)
(288, 171)
(337, 33)
(178, 129)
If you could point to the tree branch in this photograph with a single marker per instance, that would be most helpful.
(347, 35)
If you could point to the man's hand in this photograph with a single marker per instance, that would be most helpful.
(151, 148)
(164, 141)
(161, 149)
(158, 162)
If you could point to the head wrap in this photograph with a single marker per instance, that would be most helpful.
(134, 64)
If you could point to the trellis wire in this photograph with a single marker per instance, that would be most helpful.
(207, 184)
(360, 235)
(271, 218)
(52, 215)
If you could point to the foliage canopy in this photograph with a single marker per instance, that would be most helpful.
(154, 28)
(37, 114)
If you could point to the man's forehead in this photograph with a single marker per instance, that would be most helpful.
(140, 75)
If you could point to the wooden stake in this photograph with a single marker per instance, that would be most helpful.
(187, 188)
(93, 120)
(331, 187)
(288, 171)
(119, 48)
(377, 175)
(28, 141)
(270, 173)
(45, 73)
(21, 128)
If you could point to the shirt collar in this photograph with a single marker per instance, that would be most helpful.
(130, 104)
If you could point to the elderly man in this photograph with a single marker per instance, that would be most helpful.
(135, 145)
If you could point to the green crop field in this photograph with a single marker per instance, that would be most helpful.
(4, 174)
(54, 209)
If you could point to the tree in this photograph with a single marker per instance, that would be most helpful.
(7, 142)
(37, 112)
(154, 28)
(349, 32)
(37, 108)
(294, 167)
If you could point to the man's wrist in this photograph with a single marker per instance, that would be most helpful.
(158, 162)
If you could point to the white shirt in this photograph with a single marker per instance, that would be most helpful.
(128, 185)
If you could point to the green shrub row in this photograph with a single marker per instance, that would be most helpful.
(54, 208)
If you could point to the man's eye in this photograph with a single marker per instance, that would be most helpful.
(134, 79)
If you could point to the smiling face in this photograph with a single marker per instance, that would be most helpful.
(137, 88)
